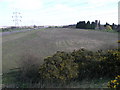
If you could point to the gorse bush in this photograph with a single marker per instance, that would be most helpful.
(108, 27)
(85, 60)
(82, 55)
(114, 83)
(60, 66)
(81, 64)
(64, 67)
(100, 64)
(111, 63)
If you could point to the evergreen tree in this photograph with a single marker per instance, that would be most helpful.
(81, 25)
(99, 24)
(88, 25)
(78, 25)
(106, 24)
(93, 25)
(113, 26)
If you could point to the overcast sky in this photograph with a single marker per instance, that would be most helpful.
(58, 12)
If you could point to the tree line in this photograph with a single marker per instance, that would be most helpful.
(96, 25)
(84, 25)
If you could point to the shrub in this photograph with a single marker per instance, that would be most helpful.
(82, 55)
(82, 64)
(108, 64)
(114, 83)
(112, 62)
(60, 66)
(97, 64)
(88, 63)
(108, 27)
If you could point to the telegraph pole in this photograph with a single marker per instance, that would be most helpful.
(16, 18)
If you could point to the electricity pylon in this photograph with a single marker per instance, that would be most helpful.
(17, 18)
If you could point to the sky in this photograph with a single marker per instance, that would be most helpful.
(57, 12)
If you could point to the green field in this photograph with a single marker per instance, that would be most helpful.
(45, 42)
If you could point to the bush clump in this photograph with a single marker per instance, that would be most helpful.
(112, 62)
(81, 64)
(108, 27)
(60, 67)
(97, 64)
(114, 83)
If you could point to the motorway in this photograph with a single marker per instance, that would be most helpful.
(10, 32)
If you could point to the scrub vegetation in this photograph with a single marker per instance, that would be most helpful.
(60, 57)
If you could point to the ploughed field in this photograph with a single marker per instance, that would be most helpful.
(45, 42)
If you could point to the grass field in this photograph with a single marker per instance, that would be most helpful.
(45, 42)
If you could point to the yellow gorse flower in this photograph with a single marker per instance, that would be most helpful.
(115, 86)
(114, 83)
